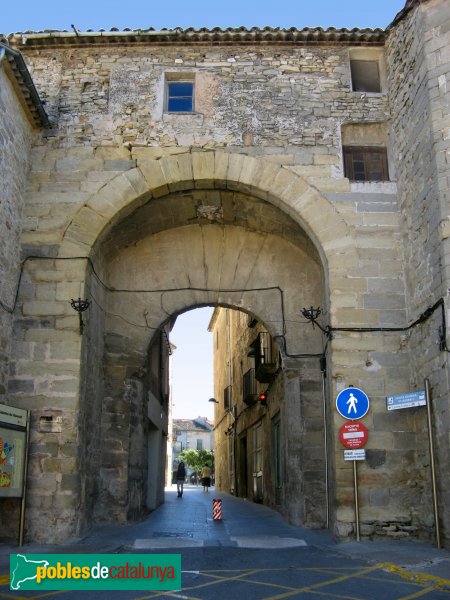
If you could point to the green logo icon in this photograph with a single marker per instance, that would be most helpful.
(95, 572)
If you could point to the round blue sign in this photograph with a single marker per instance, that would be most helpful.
(352, 403)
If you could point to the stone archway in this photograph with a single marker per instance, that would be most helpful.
(212, 169)
(306, 222)
(187, 249)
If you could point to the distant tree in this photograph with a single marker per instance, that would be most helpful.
(197, 459)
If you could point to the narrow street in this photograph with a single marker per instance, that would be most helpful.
(253, 554)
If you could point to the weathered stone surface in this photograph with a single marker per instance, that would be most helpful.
(243, 204)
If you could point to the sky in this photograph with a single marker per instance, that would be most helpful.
(192, 365)
(38, 15)
(192, 361)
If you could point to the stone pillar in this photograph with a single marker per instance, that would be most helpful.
(304, 434)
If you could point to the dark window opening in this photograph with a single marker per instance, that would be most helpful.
(180, 96)
(365, 76)
(249, 387)
(365, 163)
(227, 398)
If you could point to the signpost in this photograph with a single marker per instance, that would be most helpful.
(409, 400)
(355, 455)
(353, 434)
(352, 403)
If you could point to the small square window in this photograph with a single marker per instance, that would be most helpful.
(180, 96)
(365, 163)
(365, 76)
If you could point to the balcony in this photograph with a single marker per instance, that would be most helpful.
(265, 352)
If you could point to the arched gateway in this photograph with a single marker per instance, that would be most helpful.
(188, 230)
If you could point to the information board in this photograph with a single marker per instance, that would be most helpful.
(354, 455)
(12, 457)
(409, 400)
(10, 415)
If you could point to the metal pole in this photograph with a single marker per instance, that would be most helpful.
(325, 435)
(355, 482)
(24, 490)
(432, 463)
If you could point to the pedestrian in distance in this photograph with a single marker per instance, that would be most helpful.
(206, 478)
(181, 476)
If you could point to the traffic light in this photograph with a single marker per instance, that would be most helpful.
(263, 398)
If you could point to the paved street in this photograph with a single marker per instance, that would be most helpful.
(253, 554)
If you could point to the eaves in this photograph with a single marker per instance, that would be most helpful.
(17, 72)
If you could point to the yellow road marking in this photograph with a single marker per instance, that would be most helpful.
(419, 593)
(316, 586)
(419, 577)
(217, 579)
(13, 595)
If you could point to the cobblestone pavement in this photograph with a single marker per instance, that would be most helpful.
(253, 554)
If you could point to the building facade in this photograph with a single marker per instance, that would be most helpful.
(261, 170)
(191, 434)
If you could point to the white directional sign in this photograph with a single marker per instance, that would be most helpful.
(12, 415)
(409, 400)
(354, 455)
(352, 403)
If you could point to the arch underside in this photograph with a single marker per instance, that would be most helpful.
(187, 249)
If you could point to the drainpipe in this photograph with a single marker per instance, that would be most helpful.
(25, 74)
(323, 369)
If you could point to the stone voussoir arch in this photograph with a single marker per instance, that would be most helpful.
(213, 169)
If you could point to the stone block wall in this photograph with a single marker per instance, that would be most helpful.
(15, 145)
(289, 101)
(419, 80)
(268, 125)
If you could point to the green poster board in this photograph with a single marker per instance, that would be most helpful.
(12, 458)
(13, 448)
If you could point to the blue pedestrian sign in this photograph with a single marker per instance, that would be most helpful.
(352, 403)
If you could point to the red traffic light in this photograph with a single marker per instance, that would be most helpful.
(263, 398)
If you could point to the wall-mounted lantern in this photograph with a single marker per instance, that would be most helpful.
(80, 306)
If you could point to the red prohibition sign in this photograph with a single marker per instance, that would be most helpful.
(353, 434)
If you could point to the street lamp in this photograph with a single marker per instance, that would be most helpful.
(213, 400)
(80, 306)
(311, 313)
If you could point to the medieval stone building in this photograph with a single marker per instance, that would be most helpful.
(263, 170)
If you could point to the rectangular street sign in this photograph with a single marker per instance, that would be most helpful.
(13, 416)
(354, 455)
(409, 400)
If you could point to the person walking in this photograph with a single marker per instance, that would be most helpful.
(181, 476)
(206, 478)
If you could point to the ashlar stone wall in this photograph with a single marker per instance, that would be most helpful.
(15, 145)
(16, 136)
(268, 126)
(419, 75)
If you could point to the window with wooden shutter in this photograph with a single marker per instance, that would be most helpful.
(365, 163)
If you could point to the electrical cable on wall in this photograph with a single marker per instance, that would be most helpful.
(427, 313)
(328, 330)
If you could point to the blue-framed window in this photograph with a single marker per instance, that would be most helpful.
(180, 96)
